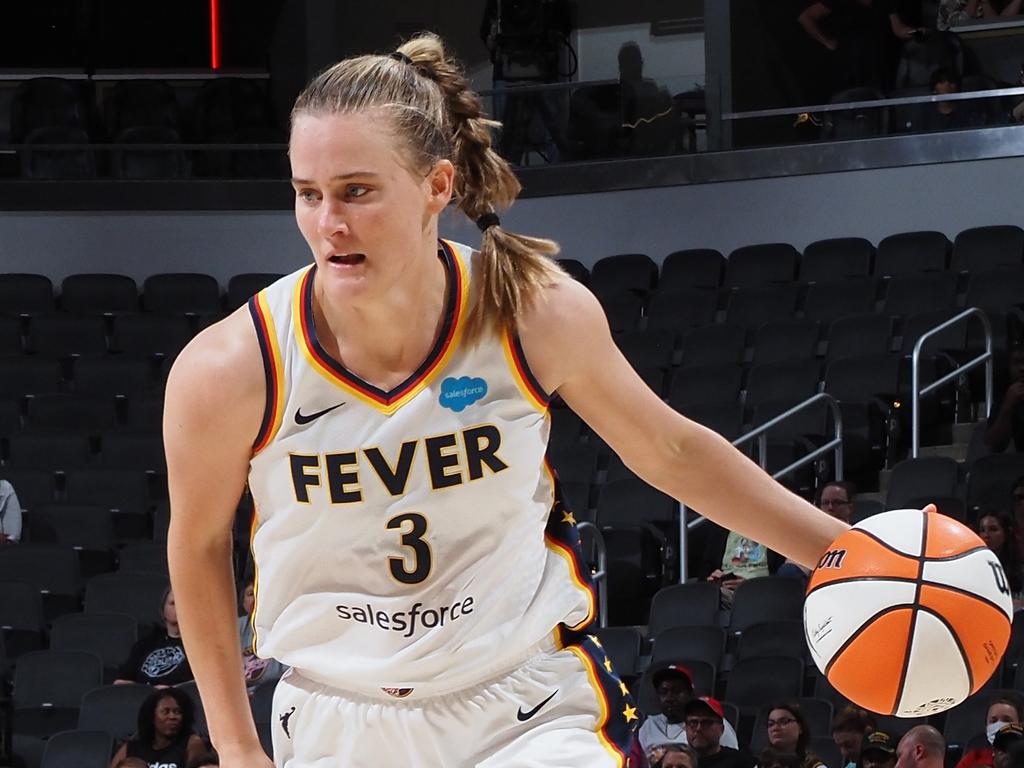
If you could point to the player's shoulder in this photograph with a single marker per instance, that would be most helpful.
(564, 305)
(226, 354)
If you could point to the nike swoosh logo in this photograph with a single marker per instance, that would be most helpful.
(302, 418)
(524, 716)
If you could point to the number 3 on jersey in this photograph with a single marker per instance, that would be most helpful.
(418, 569)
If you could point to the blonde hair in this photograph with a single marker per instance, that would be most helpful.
(433, 111)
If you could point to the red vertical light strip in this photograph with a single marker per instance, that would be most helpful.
(214, 35)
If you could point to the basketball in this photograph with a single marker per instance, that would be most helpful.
(908, 613)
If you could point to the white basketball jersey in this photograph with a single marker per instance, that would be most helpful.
(407, 539)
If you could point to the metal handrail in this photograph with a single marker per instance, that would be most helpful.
(835, 445)
(600, 576)
(917, 391)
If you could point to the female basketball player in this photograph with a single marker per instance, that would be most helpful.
(387, 407)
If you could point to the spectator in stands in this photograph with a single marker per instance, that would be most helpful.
(674, 688)
(774, 758)
(164, 736)
(948, 115)
(730, 559)
(158, 659)
(855, 32)
(836, 499)
(788, 732)
(1003, 710)
(10, 514)
(205, 760)
(953, 13)
(257, 671)
(849, 728)
(879, 751)
(1007, 420)
(999, 533)
(1005, 738)
(677, 756)
(921, 747)
(705, 725)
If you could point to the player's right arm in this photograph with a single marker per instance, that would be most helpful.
(212, 412)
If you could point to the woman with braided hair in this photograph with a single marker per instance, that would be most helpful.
(387, 407)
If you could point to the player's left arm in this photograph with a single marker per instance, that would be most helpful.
(569, 347)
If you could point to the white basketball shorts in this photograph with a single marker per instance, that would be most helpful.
(560, 709)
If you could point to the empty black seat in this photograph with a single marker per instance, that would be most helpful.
(788, 380)
(681, 309)
(765, 599)
(226, 106)
(133, 450)
(46, 155)
(914, 294)
(693, 268)
(724, 418)
(646, 349)
(143, 154)
(112, 375)
(915, 326)
(704, 643)
(983, 248)
(860, 378)
(90, 414)
(990, 480)
(78, 749)
(773, 638)
(856, 335)
(10, 338)
(632, 502)
(143, 557)
(242, 287)
(785, 340)
(754, 306)
(622, 644)
(575, 268)
(691, 604)
(754, 265)
(623, 309)
(35, 375)
(48, 688)
(62, 333)
(134, 103)
(704, 385)
(826, 302)
(135, 594)
(181, 293)
(107, 635)
(99, 294)
(44, 450)
(836, 259)
(996, 289)
(758, 681)
(22, 620)
(927, 476)
(43, 102)
(625, 271)
(25, 294)
(87, 529)
(574, 462)
(149, 334)
(909, 252)
(119, 489)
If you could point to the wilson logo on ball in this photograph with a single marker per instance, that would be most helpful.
(832, 559)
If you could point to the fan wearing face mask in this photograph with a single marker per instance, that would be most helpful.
(1003, 709)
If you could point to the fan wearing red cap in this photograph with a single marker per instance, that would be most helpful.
(673, 685)
(705, 725)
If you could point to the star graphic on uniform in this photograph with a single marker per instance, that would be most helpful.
(568, 518)
(623, 688)
(630, 714)
(595, 641)
(608, 664)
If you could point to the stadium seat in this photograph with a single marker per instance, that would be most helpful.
(48, 689)
(758, 681)
(181, 293)
(923, 476)
(792, 380)
(108, 635)
(860, 378)
(10, 340)
(150, 334)
(575, 268)
(143, 557)
(44, 158)
(693, 268)
(753, 306)
(28, 750)
(647, 349)
(88, 414)
(62, 334)
(78, 749)
(724, 418)
(836, 259)
(914, 294)
(623, 309)
(784, 340)
(53, 569)
(916, 326)
(136, 158)
(713, 345)
(113, 375)
(910, 252)
(574, 462)
(826, 302)
(756, 265)
(113, 708)
(566, 427)
(693, 603)
(773, 638)
(634, 272)
(243, 286)
(765, 599)
(990, 480)
(25, 294)
(133, 450)
(704, 385)
(630, 502)
(21, 617)
(35, 375)
(622, 644)
(98, 294)
(45, 450)
(43, 102)
(132, 103)
(855, 335)
(89, 530)
(983, 248)
(699, 642)
(136, 594)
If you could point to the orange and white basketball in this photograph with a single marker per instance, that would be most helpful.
(908, 613)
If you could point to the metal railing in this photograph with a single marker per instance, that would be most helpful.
(834, 445)
(915, 372)
(600, 576)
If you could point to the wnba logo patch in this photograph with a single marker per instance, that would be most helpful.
(459, 394)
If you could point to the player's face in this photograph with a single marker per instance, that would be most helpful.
(676, 760)
(992, 533)
(783, 730)
(673, 694)
(365, 213)
(167, 720)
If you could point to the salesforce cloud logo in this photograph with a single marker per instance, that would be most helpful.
(460, 393)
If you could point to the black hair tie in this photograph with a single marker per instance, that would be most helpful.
(487, 221)
(399, 56)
